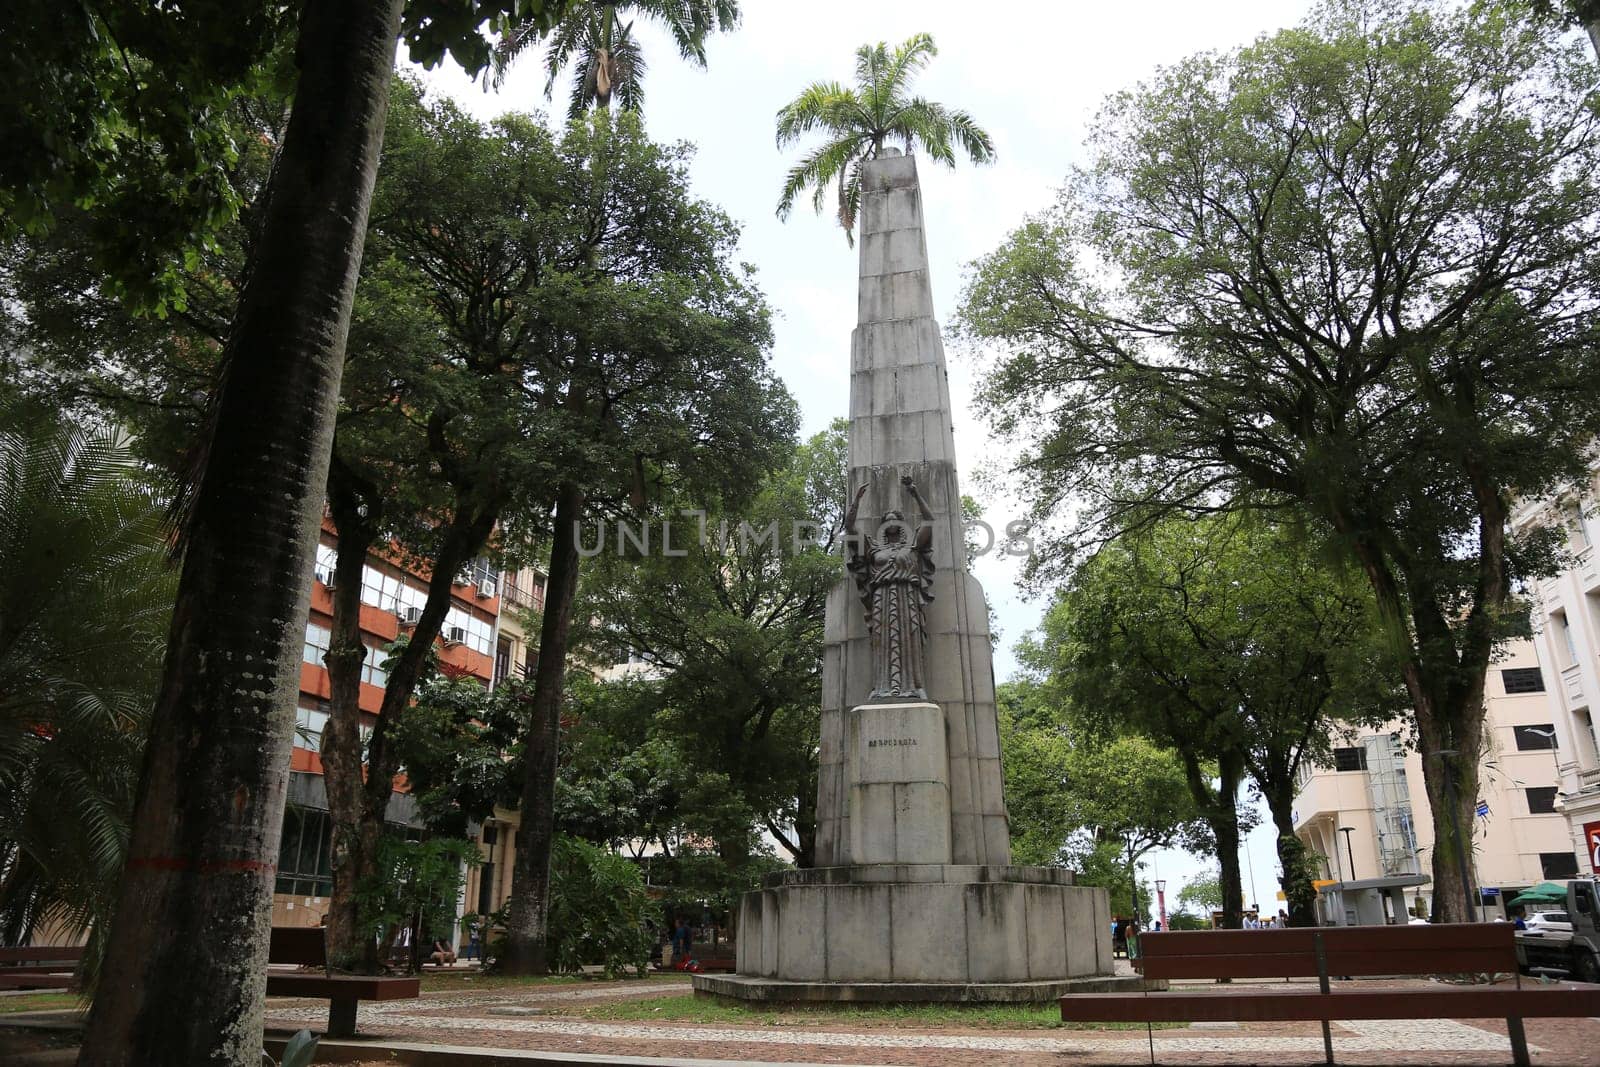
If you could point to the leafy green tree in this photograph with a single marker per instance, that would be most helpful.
(606, 59)
(1585, 13)
(1204, 892)
(1230, 639)
(653, 384)
(453, 742)
(598, 911)
(85, 594)
(1350, 267)
(728, 609)
(209, 808)
(414, 885)
(858, 123)
(1085, 801)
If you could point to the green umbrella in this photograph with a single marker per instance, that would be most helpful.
(1543, 893)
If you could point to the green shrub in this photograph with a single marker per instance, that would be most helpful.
(598, 908)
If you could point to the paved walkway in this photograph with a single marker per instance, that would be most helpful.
(533, 1019)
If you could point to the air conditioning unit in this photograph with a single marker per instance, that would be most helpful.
(409, 615)
(486, 588)
(455, 635)
(325, 577)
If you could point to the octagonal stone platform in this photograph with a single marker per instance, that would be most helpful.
(921, 932)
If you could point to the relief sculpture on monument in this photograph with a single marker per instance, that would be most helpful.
(894, 577)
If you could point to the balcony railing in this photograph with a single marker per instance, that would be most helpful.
(529, 596)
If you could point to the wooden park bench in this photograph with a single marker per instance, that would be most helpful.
(1340, 951)
(39, 967)
(303, 946)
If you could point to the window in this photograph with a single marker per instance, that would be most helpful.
(308, 726)
(1580, 529)
(1522, 680)
(304, 867)
(1532, 738)
(316, 645)
(1565, 633)
(1558, 865)
(502, 661)
(371, 671)
(1541, 799)
(1350, 759)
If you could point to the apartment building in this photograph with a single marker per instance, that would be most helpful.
(516, 655)
(1566, 624)
(1367, 822)
(392, 597)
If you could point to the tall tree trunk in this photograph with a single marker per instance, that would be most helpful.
(359, 792)
(184, 979)
(526, 926)
(1219, 808)
(1294, 858)
(346, 947)
(1223, 818)
(1594, 36)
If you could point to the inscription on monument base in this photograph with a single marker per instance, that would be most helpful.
(899, 784)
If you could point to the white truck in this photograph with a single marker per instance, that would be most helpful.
(1557, 953)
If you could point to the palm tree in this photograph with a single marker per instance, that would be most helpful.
(859, 122)
(609, 62)
(85, 595)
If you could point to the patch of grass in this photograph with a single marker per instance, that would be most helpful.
(679, 1008)
(39, 1002)
(467, 981)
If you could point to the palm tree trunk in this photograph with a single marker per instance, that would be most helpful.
(526, 927)
(185, 974)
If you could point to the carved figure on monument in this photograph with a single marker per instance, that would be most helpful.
(894, 577)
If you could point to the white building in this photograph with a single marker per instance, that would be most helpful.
(1381, 869)
(1566, 624)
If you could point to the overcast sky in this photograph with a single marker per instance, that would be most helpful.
(1032, 74)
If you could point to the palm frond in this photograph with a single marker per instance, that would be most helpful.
(627, 70)
(909, 60)
(577, 35)
(816, 170)
(85, 595)
(850, 201)
(859, 121)
(820, 105)
(972, 138)
(511, 45)
(690, 22)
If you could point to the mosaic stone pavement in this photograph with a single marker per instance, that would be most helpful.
(472, 1016)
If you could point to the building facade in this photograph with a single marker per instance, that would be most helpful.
(1566, 625)
(1367, 821)
(392, 597)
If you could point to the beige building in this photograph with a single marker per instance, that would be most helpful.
(1566, 625)
(516, 655)
(1380, 869)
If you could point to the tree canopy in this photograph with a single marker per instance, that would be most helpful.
(1349, 267)
(1234, 640)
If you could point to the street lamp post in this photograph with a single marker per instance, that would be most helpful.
(1161, 901)
(1349, 852)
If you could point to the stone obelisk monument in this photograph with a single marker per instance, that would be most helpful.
(913, 896)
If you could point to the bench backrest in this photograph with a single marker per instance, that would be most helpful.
(1455, 948)
(41, 954)
(297, 944)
